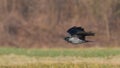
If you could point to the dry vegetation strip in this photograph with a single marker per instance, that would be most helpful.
(19, 60)
(26, 61)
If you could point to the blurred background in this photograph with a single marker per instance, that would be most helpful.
(43, 23)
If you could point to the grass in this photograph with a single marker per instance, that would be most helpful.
(60, 58)
(82, 52)
(61, 65)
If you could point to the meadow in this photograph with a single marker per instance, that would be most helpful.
(60, 58)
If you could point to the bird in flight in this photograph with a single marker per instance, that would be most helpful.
(77, 35)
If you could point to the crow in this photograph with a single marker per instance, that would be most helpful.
(77, 35)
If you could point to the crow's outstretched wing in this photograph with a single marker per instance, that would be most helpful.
(79, 31)
(75, 30)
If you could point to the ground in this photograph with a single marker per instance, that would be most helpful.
(60, 58)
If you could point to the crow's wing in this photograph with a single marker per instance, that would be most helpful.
(75, 30)
(85, 33)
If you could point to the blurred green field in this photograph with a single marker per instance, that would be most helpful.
(60, 58)
(82, 52)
